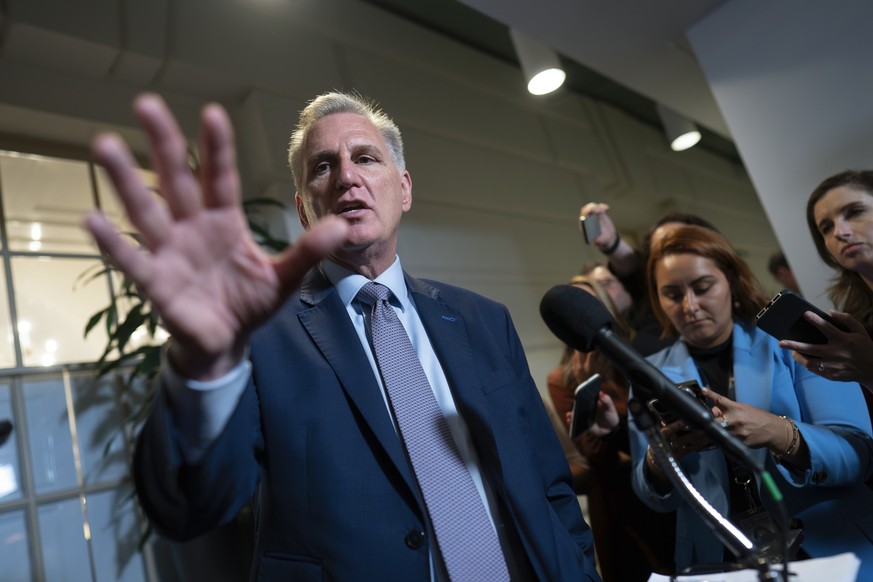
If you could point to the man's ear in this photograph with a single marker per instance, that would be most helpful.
(301, 211)
(406, 187)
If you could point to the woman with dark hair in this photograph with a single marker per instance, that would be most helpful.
(840, 219)
(817, 447)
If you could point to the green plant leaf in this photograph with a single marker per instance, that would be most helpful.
(95, 319)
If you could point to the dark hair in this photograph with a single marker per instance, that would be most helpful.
(681, 218)
(696, 240)
(848, 291)
(777, 260)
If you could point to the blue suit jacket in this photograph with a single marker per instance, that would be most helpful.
(831, 498)
(312, 439)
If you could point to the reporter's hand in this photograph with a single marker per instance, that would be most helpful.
(683, 439)
(607, 228)
(754, 426)
(605, 417)
(205, 275)
(846, 357)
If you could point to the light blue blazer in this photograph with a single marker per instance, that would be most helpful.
(831, 498)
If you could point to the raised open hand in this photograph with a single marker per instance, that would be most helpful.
(207, 278)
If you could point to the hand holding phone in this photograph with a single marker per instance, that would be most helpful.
(584, 405)
(696, 440)
(783, 318)
(665, 414)
(591, 227)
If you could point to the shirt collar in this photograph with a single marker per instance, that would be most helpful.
(348, 282)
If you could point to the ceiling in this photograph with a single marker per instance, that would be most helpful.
(628, 53)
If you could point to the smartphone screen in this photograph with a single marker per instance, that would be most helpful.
(584, 405)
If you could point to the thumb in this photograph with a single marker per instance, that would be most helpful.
(314, 245)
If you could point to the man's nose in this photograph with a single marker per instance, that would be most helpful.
(347, 174)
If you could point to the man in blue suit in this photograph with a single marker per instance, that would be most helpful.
(271, 389)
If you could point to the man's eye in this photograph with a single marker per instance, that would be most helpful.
(366, 160)
(321, 168)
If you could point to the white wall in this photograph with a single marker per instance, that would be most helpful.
(498, 175)
(793, 81)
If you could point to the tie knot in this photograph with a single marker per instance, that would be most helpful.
(373, 292)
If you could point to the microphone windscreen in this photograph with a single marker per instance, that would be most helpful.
(574, 316)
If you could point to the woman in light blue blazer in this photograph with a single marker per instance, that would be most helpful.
(813, 435)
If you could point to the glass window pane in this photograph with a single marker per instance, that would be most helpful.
(7, 348)
(10, 473)
(51, 446)
(14, 549)
(115, 536)
(44, 199)
(54, 305)
(99, 420)
(64, 547)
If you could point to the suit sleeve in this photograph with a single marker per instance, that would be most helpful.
(184, 500)
(835, 423)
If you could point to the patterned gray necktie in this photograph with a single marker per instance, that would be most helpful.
(465, 536)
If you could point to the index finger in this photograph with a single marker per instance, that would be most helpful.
(722, 402)
(814, 350)
(594, 208)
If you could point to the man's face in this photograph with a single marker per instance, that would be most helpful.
(348, 171)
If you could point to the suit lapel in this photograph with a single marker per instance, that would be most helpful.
(328, 324)
(447, 331)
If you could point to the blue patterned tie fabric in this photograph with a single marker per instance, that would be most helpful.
(464, 534)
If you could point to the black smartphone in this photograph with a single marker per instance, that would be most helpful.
(591, 227)
(584, 405)
(783, 318)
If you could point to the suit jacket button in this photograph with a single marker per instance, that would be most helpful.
(414, 539)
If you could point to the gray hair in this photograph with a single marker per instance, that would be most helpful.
(337, 102)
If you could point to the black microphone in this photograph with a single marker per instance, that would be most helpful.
(581, 321)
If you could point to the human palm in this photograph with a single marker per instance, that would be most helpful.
(207, 278)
